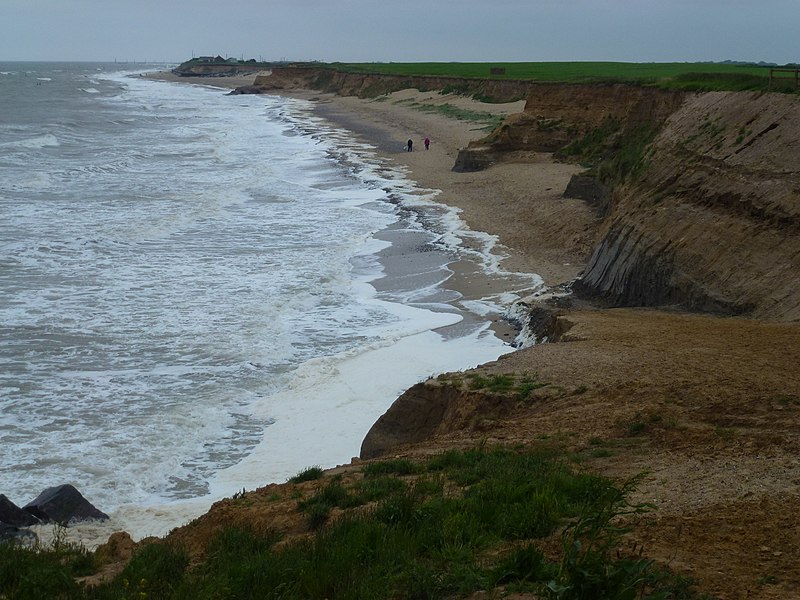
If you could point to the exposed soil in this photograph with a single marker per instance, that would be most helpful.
(708, 408)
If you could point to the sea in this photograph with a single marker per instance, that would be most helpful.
(203, 293)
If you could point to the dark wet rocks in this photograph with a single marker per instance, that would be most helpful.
(13, 515)
(477, 158)
(61, 504)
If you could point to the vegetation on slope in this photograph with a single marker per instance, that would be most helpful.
(610, 154)
(461, 522)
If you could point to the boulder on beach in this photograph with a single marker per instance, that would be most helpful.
(13, 515)
(63, 504)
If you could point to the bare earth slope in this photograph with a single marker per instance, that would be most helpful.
(709, 407)
(714, 222)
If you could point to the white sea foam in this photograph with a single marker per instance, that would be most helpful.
(189, 285)
(40, 141)
(319, 419)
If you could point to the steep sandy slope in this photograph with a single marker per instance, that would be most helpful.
(707, 407)
(714, 222)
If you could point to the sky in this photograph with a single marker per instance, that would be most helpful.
(401, 30)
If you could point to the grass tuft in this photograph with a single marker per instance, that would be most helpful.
(308, 474)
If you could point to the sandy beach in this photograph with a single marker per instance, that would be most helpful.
(519, 202)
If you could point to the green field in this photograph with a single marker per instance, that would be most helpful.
(672, 75)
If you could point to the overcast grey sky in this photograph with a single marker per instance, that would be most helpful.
(401, 30)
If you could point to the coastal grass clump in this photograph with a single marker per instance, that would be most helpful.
(449, 526)
(611, 153)
(307, 474)
(30, 571)
(501, 382)
(522, 386)
(397, 466)
(488, 121)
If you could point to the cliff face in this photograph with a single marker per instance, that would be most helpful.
(429, 409)
(714, 221)
(365, 85)
(711, 223)
(557, 114)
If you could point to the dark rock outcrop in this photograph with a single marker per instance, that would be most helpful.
(245, 89)
(547, 323)
(63, 504)
(474, 159)
(11, 514)
(592, 191)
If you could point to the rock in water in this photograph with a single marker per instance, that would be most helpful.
(11, 514)
(63, 504)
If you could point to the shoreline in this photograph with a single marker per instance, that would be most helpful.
(386, 123)
(520, 203)
(515, 202)
(399, 263)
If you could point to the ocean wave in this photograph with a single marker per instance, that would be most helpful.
(41, 141)
(90, 90)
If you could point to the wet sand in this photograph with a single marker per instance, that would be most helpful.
(519, 202)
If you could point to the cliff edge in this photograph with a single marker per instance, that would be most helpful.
(713, 222)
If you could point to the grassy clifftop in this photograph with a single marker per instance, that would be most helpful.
(686, 76)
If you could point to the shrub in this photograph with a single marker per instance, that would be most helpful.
(308, 474)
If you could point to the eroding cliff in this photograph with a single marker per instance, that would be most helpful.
(706, 217)
(713, 223)
(431, 408)
(557, 115)
(368, 85)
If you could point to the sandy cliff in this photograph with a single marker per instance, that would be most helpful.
(713, 222)
(370, 85)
